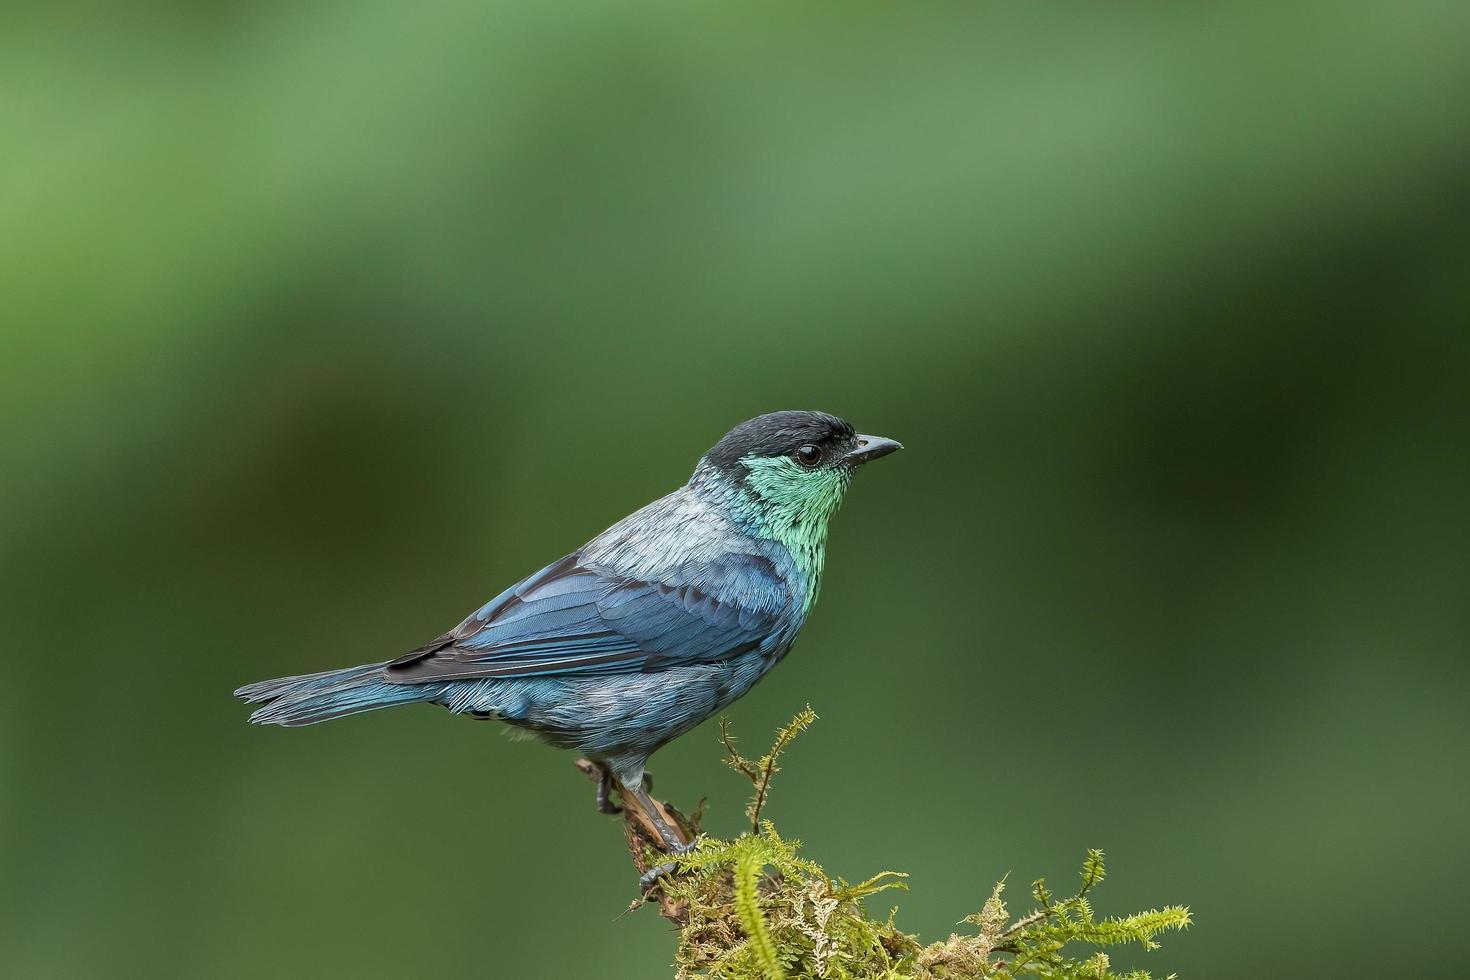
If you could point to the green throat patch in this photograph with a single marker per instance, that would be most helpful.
(792, 505)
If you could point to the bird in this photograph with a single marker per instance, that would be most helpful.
(648, 629)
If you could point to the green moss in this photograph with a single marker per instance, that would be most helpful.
(757, 910)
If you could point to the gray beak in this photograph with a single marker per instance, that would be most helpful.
(868, 448)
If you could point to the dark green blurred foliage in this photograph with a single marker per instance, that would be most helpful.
(324, 322)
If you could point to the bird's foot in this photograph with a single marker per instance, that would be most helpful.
(658, 872)
(600, 775)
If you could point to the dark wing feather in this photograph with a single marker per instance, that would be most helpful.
(570, 619)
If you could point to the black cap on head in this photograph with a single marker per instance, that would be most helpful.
(779, 434)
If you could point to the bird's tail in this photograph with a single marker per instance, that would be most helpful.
(310, 698)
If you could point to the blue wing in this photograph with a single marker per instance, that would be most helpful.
(571, 619)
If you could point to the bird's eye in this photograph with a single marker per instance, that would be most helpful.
(808, 455)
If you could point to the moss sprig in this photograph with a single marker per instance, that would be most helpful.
(755, 909)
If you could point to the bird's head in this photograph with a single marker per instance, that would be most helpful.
(791, 469)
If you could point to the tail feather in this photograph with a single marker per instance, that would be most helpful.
(310, 698)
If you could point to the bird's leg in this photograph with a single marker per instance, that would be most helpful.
(672, 839)
(604, 787)
(602, 776)
(645, 820)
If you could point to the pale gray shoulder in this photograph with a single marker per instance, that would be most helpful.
(672, 532)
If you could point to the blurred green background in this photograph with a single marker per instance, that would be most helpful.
(324, 322)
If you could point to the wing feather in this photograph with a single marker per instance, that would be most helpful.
(569, 619)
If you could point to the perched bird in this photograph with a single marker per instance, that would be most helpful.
(651, 627)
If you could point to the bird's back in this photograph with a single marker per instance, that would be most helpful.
(693, 539)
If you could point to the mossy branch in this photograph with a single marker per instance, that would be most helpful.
(753, 909)
(761, 771)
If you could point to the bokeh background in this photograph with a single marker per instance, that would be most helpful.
(324, 322)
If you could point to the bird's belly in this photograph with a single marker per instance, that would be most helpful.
(615, 714)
